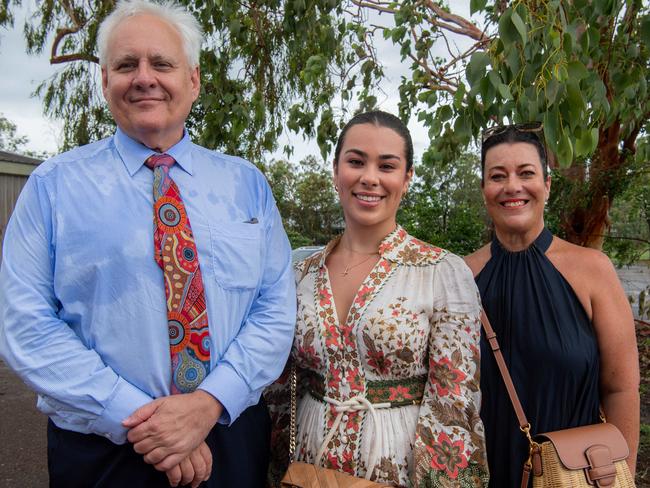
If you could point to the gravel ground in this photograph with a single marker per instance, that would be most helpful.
(23, 455)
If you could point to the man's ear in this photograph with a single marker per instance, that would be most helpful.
(195, 78)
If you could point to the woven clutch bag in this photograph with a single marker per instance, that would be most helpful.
(303, 475)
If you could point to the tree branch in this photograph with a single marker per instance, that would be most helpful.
(378, 6)
(465, 27)
(71, 13)
(624, 238)
(65, 31)
(450, 87)
(74, 57)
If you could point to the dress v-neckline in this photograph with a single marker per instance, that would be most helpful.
(367, 290)
(357, 295)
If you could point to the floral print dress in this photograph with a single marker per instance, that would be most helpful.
(393, 393)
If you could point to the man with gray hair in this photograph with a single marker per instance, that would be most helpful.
(148, 345)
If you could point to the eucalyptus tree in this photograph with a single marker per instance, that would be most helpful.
(579, 66)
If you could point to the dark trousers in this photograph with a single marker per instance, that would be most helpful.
(240, 456)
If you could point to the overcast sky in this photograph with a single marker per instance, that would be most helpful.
(26, 72)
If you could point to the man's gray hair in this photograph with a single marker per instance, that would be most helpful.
(169, 11)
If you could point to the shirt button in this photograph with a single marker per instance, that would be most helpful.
(344, 381)
(345, 418)
(344, 439)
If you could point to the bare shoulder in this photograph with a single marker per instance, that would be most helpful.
(477, 260)
(589, 272)
(583, 262)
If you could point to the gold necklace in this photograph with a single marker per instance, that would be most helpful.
(348, 268)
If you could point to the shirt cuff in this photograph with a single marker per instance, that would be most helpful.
(227, 387)
(125, 400)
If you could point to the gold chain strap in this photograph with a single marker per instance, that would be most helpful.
(293, 382)
(293, 378)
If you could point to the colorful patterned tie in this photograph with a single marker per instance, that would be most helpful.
(175, 253)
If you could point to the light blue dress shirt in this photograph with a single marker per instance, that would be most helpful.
(83, 316)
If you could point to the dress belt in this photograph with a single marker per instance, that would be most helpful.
(354, 404)
(396, 393)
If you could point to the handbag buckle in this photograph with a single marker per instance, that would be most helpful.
(601, 470)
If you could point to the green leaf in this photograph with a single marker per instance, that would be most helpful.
(567, 45)
(584, 143)
(644, 31)
(398, 33)
(552, 89)
(565, 151)
(435, 128)
(476, 5)
(507, 30)
(504, 91)
(476, 67)
(520, 26)
(488, 91)
(577, 70)
(513, 60)
(551, 130)
(459, 96)
(494, 78)
(555, 38)
(461, 127)
(444, 113)
(576, 101)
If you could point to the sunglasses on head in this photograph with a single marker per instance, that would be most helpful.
(500, 129)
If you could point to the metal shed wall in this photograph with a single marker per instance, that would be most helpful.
(10, 187)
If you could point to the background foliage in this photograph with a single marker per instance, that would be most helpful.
(581, 67)
(306, 200)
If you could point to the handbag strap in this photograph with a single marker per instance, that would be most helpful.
(293, 377)
(524, 425)
(293, 383)
(503, 370)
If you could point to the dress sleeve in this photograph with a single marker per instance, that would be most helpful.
(449, 445)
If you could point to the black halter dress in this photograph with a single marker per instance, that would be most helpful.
(550, 348)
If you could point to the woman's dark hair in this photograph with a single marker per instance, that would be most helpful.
(380, 119)
(511, 134)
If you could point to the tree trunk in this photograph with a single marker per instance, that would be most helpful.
(588, 221)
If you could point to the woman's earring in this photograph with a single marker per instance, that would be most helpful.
(336, 188)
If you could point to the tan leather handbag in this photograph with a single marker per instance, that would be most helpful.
(589, 456)
(304, 475)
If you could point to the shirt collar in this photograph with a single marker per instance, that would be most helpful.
(388, 248)
(134, 153)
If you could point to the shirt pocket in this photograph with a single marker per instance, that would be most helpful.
(237, 250)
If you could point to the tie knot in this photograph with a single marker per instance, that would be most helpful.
(156, 160)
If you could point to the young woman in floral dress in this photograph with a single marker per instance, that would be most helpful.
(387, 335)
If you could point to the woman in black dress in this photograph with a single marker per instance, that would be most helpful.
(562, 319)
